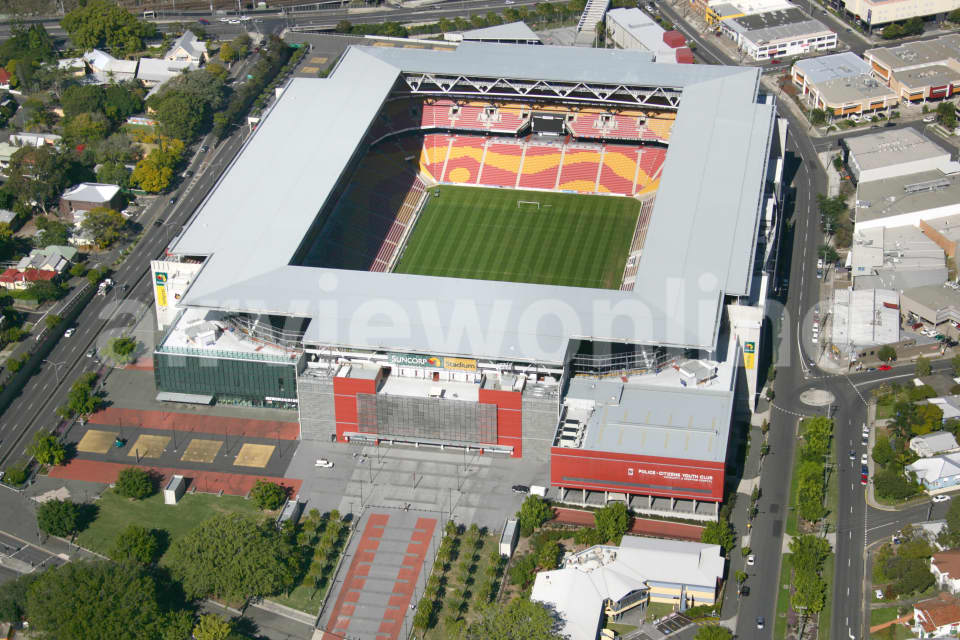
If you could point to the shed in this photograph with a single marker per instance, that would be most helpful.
(291, 511)
(174, 490)
(674, 39)
(509, 537)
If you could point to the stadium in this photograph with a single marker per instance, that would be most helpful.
(493, 247)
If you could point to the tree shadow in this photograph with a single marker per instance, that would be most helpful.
(86, 513)
(246, 627)
(162, 536)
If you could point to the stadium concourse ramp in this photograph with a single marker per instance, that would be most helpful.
(587, 168)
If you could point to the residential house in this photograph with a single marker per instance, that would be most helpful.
(7, 216)
(4, 78)
(76, 201)
(937, 473)
(13, 278)
(74, 66)
(154, 72)
(937, 617)
(55, 258)
(608, 580)
(25, 139)
(6, 153)
(105, 68)
(931, 530)
(934, 443)
(945, 566)
(82, 240)
(188, 48)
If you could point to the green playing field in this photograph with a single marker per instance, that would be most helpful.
(484, 234)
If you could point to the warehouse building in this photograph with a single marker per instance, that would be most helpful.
(634, 29)
(778, 34)
(893, 153)
(919, 71)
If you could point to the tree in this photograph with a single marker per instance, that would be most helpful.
(212, 627)
(38, 174)
(521, 618)
(152, 174)
(13, 597)
(268, 495)
(922, 367)
(713, 632)
(135, 544)
(86, 128)
(114, 173)
(52, 321)
(809, 592)
(51, 232)
(886, 353)
(97, 601)
(810, 490)
(58, 517)
(828, 254)
(105, 225)
(549, 555)
(890, 483)
(523, 570)
(423, 618)
(892, 31)
(718, 532)
(929, 418)
(612, 522)
(882, 451)
(104, 24)
(533, 512)
(227, 53)
(741, 577)
(135, 483)
(818, 117)
(81, 399)
(955, 361)
(180, 116)
(47, 448)
(809, 552)
(233, 557)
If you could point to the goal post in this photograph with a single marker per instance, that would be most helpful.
(528, 203)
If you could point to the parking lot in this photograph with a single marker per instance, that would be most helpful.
(22, 557)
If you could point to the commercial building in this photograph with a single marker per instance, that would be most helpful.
(937, 306)
(778, 33)
(937, 617)
(510, 33)
(281, 314)
(893, 153)
(634, 29)
(895, 258)
(609, 581)
(935, 443)
(864, 318)
(841, 84)
(881, 12)
(919, 71)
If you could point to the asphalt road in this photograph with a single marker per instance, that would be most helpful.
(109, 316)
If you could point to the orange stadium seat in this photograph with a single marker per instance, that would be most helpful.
(463, 160)
(619, 170)
(540, 167)
(579, 171)
(434, 155)
(501, 164)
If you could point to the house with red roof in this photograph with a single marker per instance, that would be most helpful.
(15, 279)
(937, 617)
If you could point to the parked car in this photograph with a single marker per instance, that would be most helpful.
(760, 622)
(878, 593)
(173, 199)
(91, 353)
(884, 367)
(863, 459)
(323, 463)
(520, 488)
(744, 591)
(940, 498)
(205, 148)
(69, 332)
(751, 560)
(929, 119)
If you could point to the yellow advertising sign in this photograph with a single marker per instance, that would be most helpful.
(460, 364)
(750, 355)
(161, 295)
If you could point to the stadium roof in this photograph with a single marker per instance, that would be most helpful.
(512, 31)
(699, 245)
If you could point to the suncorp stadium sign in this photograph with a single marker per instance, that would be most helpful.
(432, 362)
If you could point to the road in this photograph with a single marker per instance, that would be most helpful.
(109, 316)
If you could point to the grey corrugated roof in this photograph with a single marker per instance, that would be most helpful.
(699, 244)
(511, 31)
(831, 67)
(656, 420)
(772, 26)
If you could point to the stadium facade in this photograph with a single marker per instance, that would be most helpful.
(283, 289)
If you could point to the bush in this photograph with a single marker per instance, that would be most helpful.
(15, 476)
(612, 522)
(887, 353)
(268, 495)
(533, 512)
(135, 544)
(58, 517)
(135, 483)
(523, 571)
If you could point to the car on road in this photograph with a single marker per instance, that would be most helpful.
(940, 498)
(323, 463)
(224, 19)
(864, 474)
(760, 622)
(853, 454)
(744, 591)
(520, 488)
(884, 367)
(205, 148)
(203, 21)
(863, 459)
(929, 119)
(508, 2)
(69, 332)
(173, 200)
(91, 353)
(188, 174)
(751, 560)
(158, 223)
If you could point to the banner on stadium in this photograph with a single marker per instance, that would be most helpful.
(432, 362)
(161, 284)
(749, 355)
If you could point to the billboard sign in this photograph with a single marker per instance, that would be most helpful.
(160, 281)
(750, 355)
(432, 362)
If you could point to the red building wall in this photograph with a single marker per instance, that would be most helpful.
(643, 475)
(345, 392)
(509, 417)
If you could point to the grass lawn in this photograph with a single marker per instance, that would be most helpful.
(116, 513)
(658, 610)
(484, 234)
(879, 616)
(621, 629)
(783, 597)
